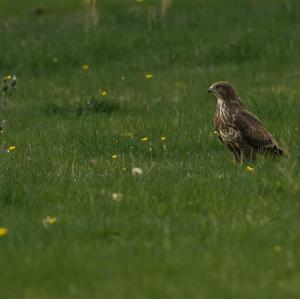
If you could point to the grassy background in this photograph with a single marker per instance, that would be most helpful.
(194, 225)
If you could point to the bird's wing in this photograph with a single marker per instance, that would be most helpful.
(252, 130)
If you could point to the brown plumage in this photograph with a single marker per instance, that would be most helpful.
(239, 129)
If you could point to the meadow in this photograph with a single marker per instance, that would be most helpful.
(95, 100)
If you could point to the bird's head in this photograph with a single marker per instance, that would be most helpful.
(223, 90)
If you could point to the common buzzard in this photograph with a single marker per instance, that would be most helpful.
(239, 129)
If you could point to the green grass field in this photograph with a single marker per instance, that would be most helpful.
(194, 224)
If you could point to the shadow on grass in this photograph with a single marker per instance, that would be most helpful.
(83, 108)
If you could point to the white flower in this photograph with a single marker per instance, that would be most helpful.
(136, 171)
(117, 197)
(14, 78)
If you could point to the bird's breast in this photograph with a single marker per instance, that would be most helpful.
(224, 125)
(222, 114)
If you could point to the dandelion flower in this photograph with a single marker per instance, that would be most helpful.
(49, 220)
(148, 76)
(114, 157)
(55, 59)
(136, 171)
(144, 139)
(139, 1)
(129, 134)
(216, 132)
(103, 93)
(117, 197)
(249, 169)
(8, 77)
(163, 138)
(85, 67)
(3, 231)
(11, 148)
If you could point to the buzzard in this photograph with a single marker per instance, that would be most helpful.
(239, 129)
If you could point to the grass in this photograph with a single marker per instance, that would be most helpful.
(194, 225)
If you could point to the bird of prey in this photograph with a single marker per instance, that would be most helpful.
(239, 129)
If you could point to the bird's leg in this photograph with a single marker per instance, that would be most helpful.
(246, 151)
(248, 154)
(236, 153)
(238, 159)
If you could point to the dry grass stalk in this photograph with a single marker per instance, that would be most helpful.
(164, 7)
(92, 12)
(151, 16)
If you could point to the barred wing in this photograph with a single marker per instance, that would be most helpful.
(253, 131)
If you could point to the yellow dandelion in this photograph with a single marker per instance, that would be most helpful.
(129, 134)
(144, 139)
(1, 131)
(85, 67)
(114, 157)
(49, 220)
(277, 248)
(249, 169)
(8, 77)
(3, 231)
(148, 76)
(55, 59)
(103, 93)
(163, 138)
(11, 148)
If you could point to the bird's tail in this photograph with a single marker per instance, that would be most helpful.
(280, 152)
(276, 150)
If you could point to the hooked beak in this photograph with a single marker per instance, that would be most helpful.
(210, 90)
